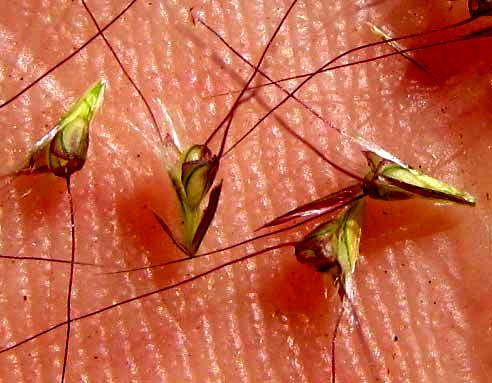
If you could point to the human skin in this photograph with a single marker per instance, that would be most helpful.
(422, 291)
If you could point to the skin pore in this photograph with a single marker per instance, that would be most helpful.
(421, 282)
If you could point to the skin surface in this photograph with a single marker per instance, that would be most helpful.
(422, 281)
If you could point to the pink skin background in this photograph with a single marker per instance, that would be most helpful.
(423, 278)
